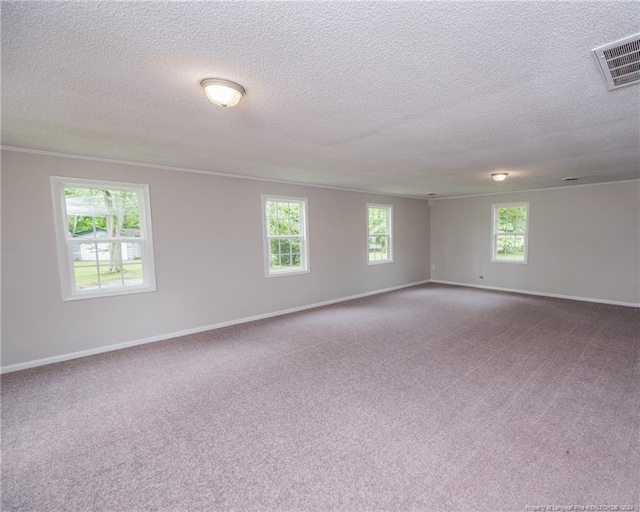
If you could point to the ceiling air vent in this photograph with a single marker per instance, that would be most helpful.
(619, 61)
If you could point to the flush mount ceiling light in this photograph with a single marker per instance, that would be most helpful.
(499, 176)
(222, 92)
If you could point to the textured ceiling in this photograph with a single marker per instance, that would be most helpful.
(404, 98)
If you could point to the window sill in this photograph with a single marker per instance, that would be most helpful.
(283, 273)
(111, 293)
(379, 262)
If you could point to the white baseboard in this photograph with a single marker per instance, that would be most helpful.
(176, 334)
(541, 294)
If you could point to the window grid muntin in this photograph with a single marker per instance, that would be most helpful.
(386, 235)
(69, 285)
(291, 226)
(95, 240)
(100, 264)
(497, 234)
(140, 194)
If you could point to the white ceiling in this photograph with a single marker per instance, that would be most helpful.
(404, 98)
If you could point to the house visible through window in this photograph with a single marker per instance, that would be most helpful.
(285, 225)
(104, 237)
(379, 239)
(510, 232)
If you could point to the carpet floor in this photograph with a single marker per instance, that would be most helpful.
(432, 398)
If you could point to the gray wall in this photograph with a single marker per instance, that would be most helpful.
(222, 280)
(584, 241)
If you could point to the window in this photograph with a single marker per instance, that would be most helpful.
(104, 237)
(510, 227)
(379, 242)
(285, 227)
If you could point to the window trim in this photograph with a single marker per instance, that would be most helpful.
(304, 227)
(65, 263)
(494, 234)
(389, 234)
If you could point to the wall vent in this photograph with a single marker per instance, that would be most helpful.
(619, 61)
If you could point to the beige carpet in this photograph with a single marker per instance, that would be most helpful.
(430, 398)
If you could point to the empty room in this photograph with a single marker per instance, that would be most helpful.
(320, 256)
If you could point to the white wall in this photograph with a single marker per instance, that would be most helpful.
(584, 241)
(222, 280)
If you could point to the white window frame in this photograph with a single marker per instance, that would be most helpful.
(64, 241)
(388, 233)
(495, 234)
(304, 237)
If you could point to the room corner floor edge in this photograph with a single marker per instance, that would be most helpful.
(540, 294)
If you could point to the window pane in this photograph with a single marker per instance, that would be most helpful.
(81, 201)
(123, 268)
(270, 207)
(283, 218)
(130, 203)
(79, 225)
(275, 262)
(101, 227)
(502, 220)
(284, 221)
(510, 227)
(276, 255)
(521, 220)
(130, 226)
(111, 263)
(110, 253)
(378, 248)
(377, 220)
(85, 266)
(285, 246)
(89, 251)
(506, 220)
(110, 211)
(519, 248)
(132, 251)
(286, 254)
(294, 218)
(501, 243)
(133, 273)
(511, 220)
(97, 212)
(275, 247)
(294, 209)
(510, 247)
(132, 264)
(117, 265)
(109, 277)
(86, 276)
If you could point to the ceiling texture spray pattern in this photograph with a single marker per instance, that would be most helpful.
(401, 98)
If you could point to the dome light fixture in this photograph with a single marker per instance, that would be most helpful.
(223, 93)
(499, 176)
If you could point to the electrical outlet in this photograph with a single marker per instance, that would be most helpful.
(433, 267)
